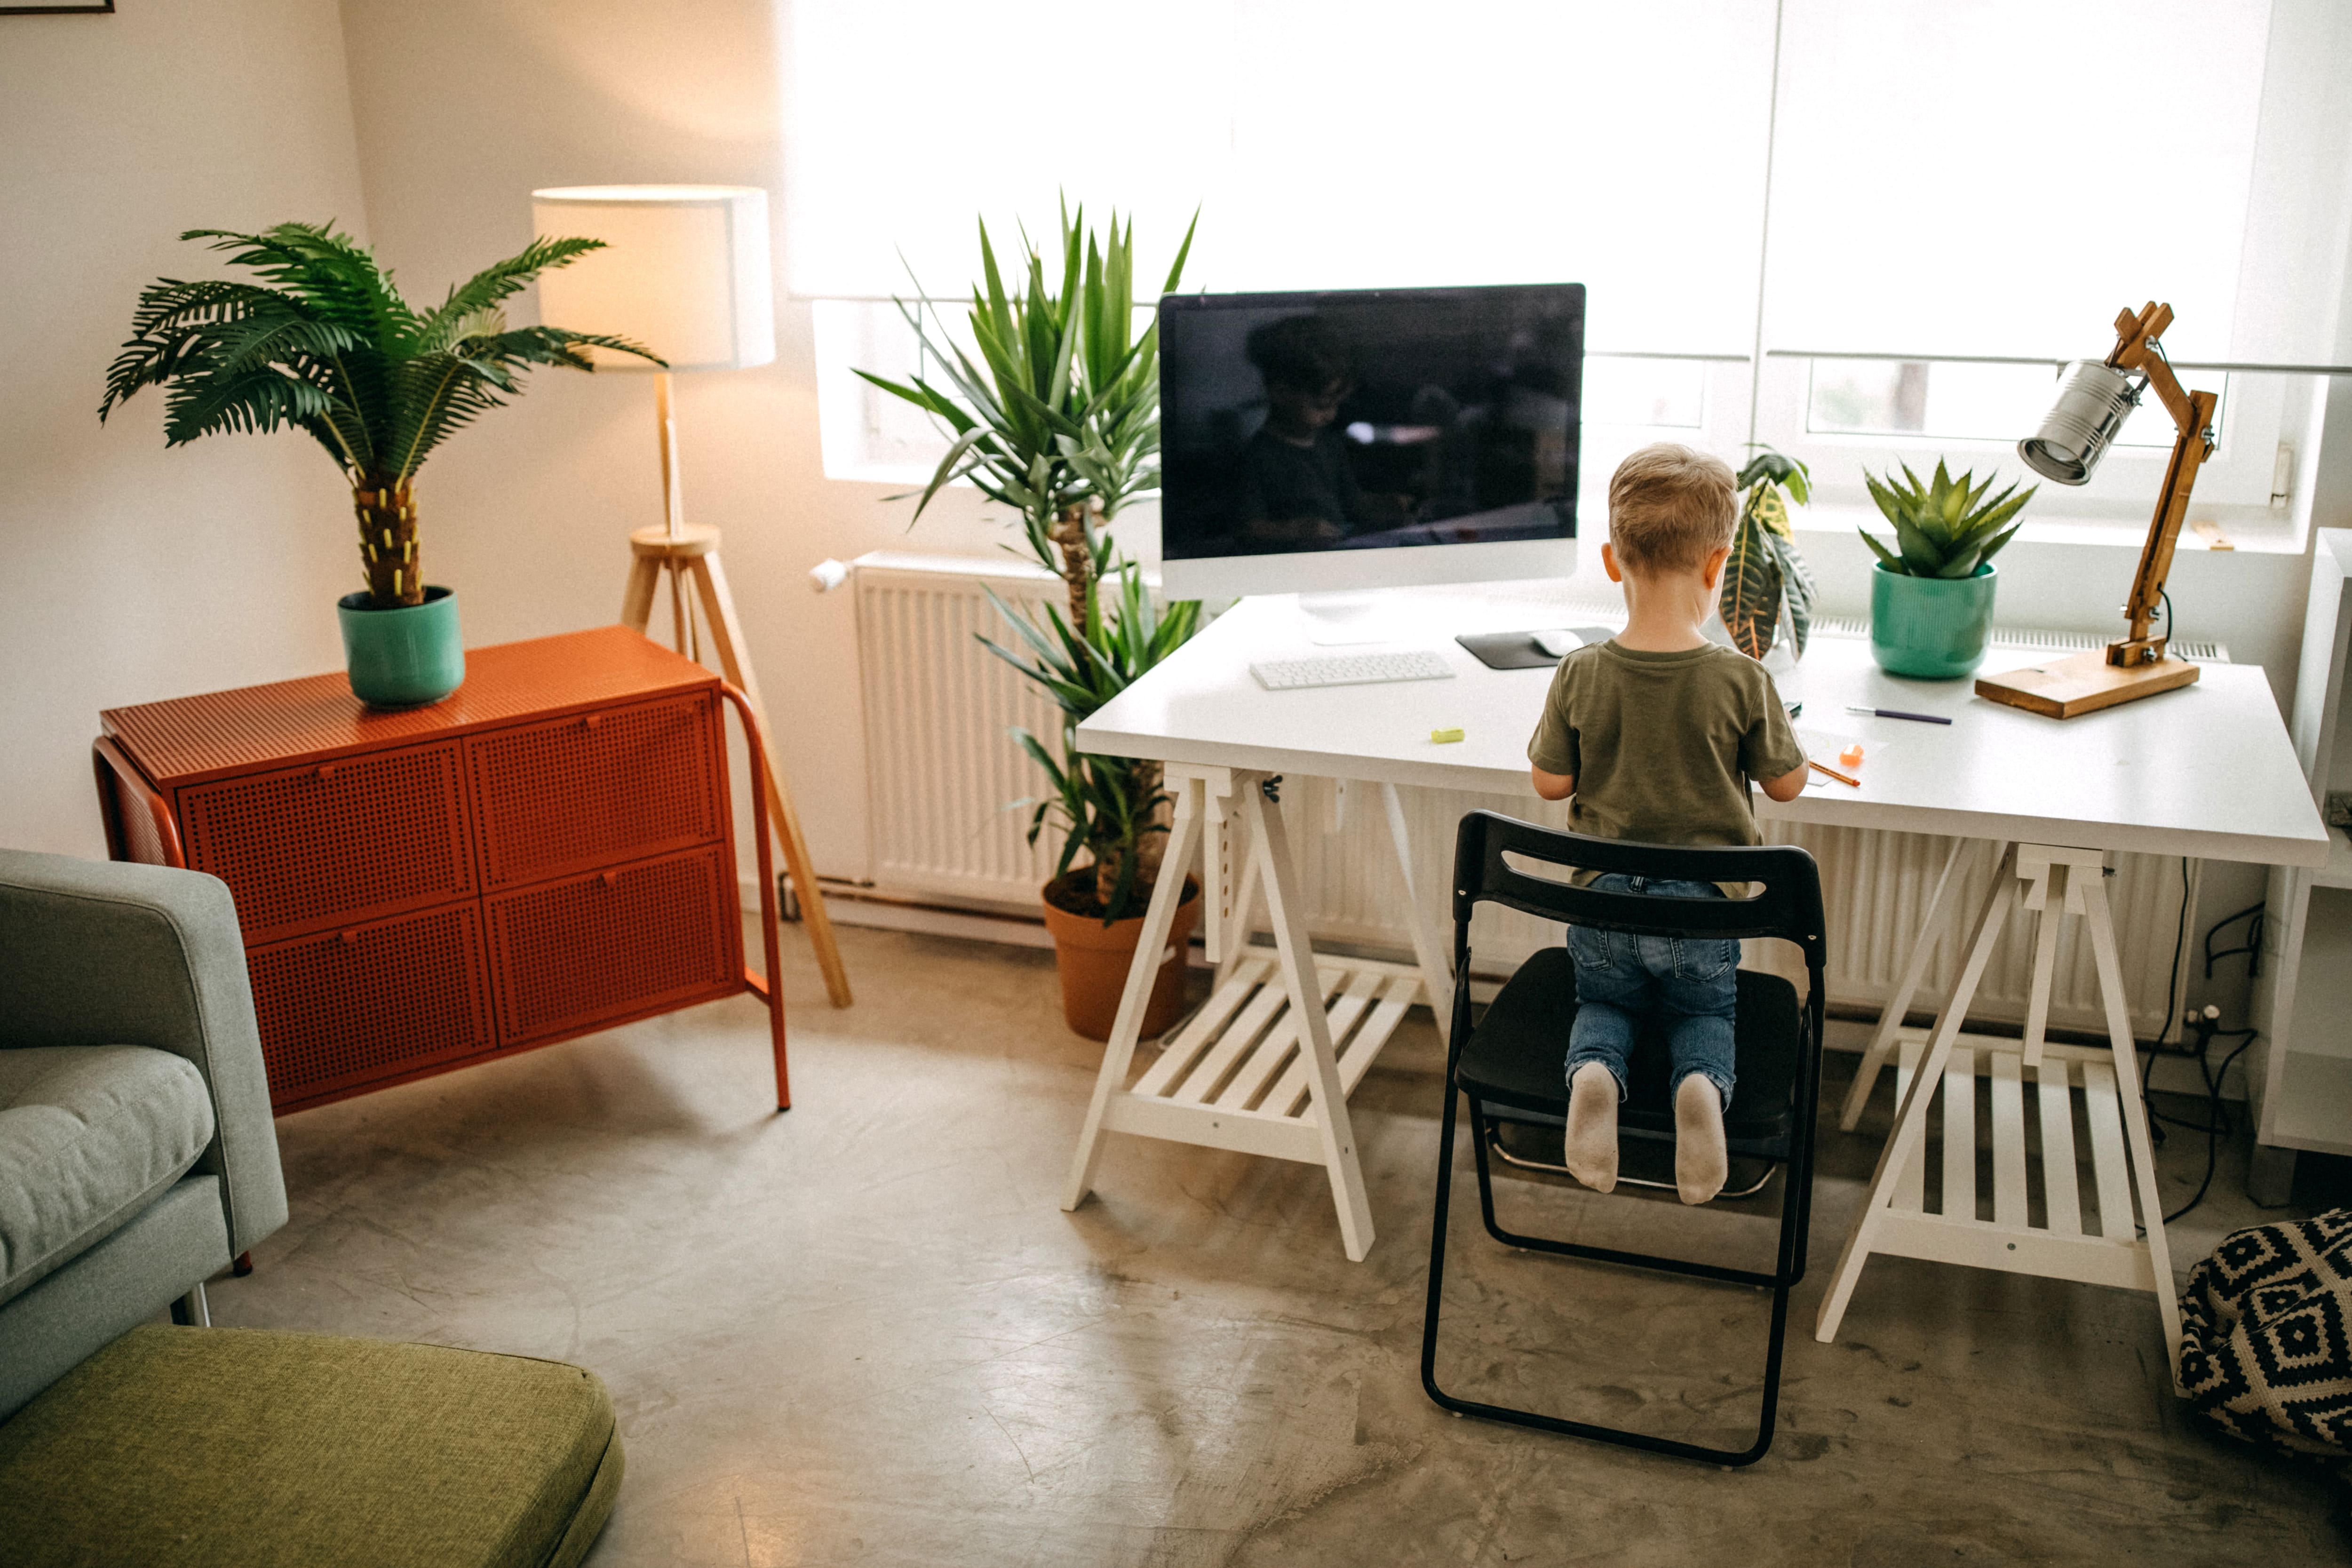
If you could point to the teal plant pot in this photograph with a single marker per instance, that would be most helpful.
(1931, 628)
(403, 657)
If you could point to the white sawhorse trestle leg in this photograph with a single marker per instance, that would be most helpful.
(1265, 1065)
(2092, 1088)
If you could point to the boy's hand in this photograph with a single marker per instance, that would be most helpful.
(1788, 786)
(1560, 786)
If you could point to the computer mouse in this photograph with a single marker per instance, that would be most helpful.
(1558, 643)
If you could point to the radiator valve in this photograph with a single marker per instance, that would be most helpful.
(827, 575)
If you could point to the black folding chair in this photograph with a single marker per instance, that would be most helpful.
(1511, 1066)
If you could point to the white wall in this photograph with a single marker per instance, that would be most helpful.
(127, 572)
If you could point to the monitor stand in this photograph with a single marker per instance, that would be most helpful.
(1363, 616)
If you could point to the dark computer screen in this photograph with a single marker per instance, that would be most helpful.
(1368, 419)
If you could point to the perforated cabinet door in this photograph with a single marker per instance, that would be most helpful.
(620, 783)
(334, 843)
(354, 1007)
(637, 938)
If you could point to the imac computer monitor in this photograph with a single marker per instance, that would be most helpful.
(1325, 442)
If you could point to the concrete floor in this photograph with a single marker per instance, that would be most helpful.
(866, 1334)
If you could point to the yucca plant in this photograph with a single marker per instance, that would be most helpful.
(1058, 419)
(334, 351)
(1113, 807)
(1764, 576)
(1946, 528)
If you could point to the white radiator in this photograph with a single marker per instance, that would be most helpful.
(942, 775)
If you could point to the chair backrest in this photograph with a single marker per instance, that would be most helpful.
(1787, 902)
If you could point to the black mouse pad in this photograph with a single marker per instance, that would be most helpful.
(1517, 650)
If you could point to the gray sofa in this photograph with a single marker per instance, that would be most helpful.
(137, 1153)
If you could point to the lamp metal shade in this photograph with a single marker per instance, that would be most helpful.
(685, 272)
(2093, 400)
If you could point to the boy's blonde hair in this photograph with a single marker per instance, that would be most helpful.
(1669, 507)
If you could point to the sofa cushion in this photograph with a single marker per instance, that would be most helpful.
(88, 1136)
(190, 1447)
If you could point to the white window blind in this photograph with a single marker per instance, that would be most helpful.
(2000, 177)
(1327, 145)
(1946, 178)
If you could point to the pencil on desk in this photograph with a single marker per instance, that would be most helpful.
(1842, 778)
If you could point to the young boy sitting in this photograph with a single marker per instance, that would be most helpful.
(1654, 736)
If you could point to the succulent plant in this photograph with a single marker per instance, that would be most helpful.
(1946, 528)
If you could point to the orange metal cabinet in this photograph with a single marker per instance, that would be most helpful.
(549, 852)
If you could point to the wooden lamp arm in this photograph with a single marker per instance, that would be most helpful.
(2137, 337)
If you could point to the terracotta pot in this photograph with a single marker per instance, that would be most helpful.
(1094, 958)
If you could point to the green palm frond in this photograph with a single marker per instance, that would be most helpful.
(326, 344)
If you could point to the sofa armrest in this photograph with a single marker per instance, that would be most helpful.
(96, 952)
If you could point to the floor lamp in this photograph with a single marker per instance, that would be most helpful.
(687, 275)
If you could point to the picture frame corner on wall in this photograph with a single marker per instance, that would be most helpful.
(90, 9)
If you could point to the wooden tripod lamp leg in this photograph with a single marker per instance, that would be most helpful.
(727, 633)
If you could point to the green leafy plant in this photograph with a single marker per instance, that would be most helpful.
(1945, 528)
(1764, 576)
(334, 351)
(1058, 419)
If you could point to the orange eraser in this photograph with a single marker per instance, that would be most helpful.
(1852, 755)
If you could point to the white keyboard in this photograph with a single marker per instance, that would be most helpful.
(1352, 669)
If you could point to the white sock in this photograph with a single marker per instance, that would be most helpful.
(1701, 1161)
(1592, 1143)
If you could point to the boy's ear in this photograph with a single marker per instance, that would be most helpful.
(1713, 570)
(1608, 563)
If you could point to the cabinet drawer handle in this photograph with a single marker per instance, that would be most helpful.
(326, 770)
(591, 721)
(348, 937)
(606, 877)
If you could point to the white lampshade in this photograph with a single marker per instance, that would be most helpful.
(685, 272)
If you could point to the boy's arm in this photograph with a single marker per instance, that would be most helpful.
(1770, 754)
(1560, 786)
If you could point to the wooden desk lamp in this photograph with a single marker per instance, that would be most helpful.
(2093, 402)
(686, 273)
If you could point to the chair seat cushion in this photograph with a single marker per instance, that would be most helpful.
(1518, 1055)
(88, 1136)
(271, 1450)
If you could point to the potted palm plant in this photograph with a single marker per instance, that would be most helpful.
(1931, 595)
(1767, 596)
(1058, 421)
(334, 351)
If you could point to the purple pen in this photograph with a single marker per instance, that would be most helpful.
(1898, 713)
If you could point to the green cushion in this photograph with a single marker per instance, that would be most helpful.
(88, 1136)
(270, 1450)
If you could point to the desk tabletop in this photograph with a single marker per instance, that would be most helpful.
(2205, 771)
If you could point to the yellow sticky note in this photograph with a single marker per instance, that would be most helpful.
(1443, 737)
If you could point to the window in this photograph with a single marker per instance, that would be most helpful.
(1945, 181)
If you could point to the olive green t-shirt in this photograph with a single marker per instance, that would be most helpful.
(1663, 745)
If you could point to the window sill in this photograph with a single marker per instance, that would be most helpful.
(2246, 530)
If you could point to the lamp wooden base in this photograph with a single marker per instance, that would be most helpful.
(2083, 683)
(692, 553)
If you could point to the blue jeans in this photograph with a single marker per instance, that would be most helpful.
(1688, 982)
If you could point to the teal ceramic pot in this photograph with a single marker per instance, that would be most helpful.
(1932, 628)
(403, 657)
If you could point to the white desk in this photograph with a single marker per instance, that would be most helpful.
(2206, 772)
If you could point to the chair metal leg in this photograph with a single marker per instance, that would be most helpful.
(192, 1310)
(1797, 1201)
